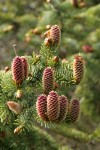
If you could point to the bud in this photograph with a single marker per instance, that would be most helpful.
(56, 59)
(19, 94)
(15, 107)
(48, 80)
(7, 69)
(63, 108)
(25, 66)
(74, 110)
(48, 26)
(48, 42)
(53, 106)
(55, 34)
(78, 68)
(18, 130)
(41, 107)
(38, 57)
(17, 70)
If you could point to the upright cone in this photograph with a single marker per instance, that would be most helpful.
(25, 66)
(74, 110)
(41, 107)
(17, 70)
(63, 108)
(78, 68)
(55, 34)
(53, 106)
(48, 80)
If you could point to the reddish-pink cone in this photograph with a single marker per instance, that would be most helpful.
(41, 107)
(63, 107)
(74, 110)
(15, 107)
(53, 106)
(17, 70)
(48, 80)
(25, 65)
(78, 68)
(55, 34)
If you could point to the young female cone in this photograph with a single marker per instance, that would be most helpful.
(54, 34)
(25, 66)
(41, 107)
(63, 107)
(17, 70)
(48, 80)
(53, 106)
(74, 110)
(78, 68)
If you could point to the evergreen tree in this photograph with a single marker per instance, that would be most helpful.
(41, 89)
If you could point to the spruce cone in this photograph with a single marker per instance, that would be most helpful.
(55, 34)
(63, 108)
(74, 110)
(48, 80)
(25, 65)
(15, 107)
(53, 106)
(78, 68)
(41, 107)
(17, 70)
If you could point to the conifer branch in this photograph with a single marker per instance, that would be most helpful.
(78, 135)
